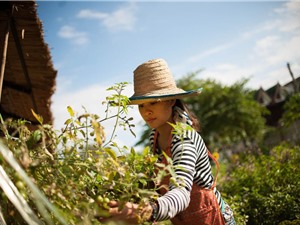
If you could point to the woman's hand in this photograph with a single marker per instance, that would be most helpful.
(130, 213)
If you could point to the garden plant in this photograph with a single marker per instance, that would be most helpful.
(265, 188)
(69, 176)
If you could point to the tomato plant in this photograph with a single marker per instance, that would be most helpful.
(76, 169)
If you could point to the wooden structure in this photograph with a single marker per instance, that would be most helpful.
(27, 79)
(274, 99)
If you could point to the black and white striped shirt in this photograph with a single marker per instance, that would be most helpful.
(191, 154)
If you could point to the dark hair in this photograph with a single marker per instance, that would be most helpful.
(196, 124)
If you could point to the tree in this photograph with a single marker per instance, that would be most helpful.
(291, 110)
(228, 114)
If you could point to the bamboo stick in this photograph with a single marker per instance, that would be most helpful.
(4, 54)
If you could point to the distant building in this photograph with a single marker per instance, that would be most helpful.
(274, 99)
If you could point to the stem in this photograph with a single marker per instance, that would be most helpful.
(86, 138)
(116, 123)
(40, 199)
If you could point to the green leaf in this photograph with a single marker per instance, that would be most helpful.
(132, 151)
(111, 175)
(68, 121)
(70, 110)
(38, 117)
(146, 151)
(111, 153)
(82, 132)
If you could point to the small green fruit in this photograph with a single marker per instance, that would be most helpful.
(99, 199)
(106, 200)
(20, 185)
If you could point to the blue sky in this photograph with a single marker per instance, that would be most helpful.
(99, 43)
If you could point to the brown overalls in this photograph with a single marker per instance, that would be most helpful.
(203, 208)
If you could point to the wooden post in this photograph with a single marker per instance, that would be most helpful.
(4, 54)
(293, 78)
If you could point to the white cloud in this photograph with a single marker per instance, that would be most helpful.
(271, 47)
(266, 46)
(287, 50)
(191, 64)
(284, 44)
(290, 14)
(91, 14)
(261, 28)
(287, 20)
(259, 73)
(289, 7)
(227, 74)
(72, 34)
(209, 52)
(118, 20)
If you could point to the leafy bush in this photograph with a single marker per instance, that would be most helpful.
(77, 170)
(291, 110)
(266, 188)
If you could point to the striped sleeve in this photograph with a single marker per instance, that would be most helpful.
(191, 165)
(173, 202)
(177, 199)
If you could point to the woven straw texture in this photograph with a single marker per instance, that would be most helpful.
(154, 78)
(153, 81)
(29, 76)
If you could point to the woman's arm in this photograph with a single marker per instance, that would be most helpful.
(177, 199)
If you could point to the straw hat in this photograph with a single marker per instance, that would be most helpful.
(153, 81)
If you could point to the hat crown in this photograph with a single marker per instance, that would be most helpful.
(153, 81)
(154, 78)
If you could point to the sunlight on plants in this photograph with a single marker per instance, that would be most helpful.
(69, 176)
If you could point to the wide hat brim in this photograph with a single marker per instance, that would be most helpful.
(136, 100)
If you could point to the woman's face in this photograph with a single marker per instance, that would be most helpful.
(157, 114)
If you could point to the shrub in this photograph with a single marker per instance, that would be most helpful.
(266, 188)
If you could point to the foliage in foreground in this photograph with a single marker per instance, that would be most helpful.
(266, 188)
(77, 169)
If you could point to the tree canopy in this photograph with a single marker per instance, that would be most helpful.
(228, 114)
(291, 110)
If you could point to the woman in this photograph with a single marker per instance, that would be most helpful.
(196, 201)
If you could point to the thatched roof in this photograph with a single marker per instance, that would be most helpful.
(28, 75)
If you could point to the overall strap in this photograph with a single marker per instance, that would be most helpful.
(154, 142)
(168, 149)
(218, 168)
